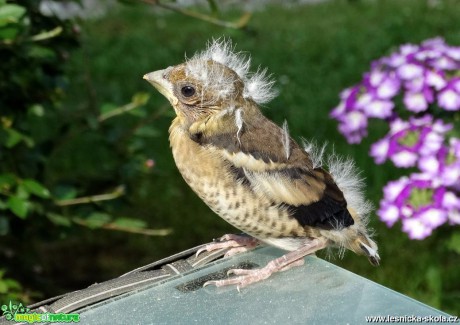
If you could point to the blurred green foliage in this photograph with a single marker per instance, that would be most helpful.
(59, 167)
(313, 52)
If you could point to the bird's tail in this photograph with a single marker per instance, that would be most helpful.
(348, 179)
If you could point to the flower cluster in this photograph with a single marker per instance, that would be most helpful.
(407, 141)
(425, 79)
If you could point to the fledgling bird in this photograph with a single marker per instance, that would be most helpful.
(251, 172)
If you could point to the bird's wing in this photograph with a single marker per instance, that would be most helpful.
(267, 159)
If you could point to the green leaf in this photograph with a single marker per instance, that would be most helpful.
(65, 192)
(59, 220)
(22, 192)
(13, 138)
(7, 181)
(140, 99)
(37, 110)
(12, 284)
(18, 206)
(147, 131)
(97, 220)
(138, 112)
(41, 52)
(454, 243)
(3, 287)
(108, 107)
(36, 188)
(8, 33)
(10, 13)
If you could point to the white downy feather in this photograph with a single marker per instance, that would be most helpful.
(258, 86)
(345, 174)
(286, 140)
(239, 122)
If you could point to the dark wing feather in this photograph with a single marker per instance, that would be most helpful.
(258, 158)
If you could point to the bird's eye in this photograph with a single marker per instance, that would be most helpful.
(188, 91)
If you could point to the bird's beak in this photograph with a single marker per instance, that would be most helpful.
(159, 80)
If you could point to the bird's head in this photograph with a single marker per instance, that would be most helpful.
(214, 83)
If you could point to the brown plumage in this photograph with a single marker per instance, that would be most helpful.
(250, 171)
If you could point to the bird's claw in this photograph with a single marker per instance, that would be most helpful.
(207, 283)
(201, 250)
(245, 277)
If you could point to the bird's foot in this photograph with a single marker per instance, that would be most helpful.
(246, 277)
(236, 243)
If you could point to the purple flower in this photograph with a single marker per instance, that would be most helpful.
(420, 72)
(394, 60)
(379, 108)
(382, 85)
(389, 213)
(394, 188)
(432, 140)
(405, 158)
(409, 49)
(354, 126)
(415, 101)
(338, 111)
(363, 100)
(443, 166)
(454, 217)
(435, 79)
(445, 63)
(429, 164)
(375, 77)
(379, 150)
(353, 122)
(455, 84)
(451, 201)
(432, 217)
(424, 79)
(449, 100)
(416, 229)
(408, 140)
(449, 97)
(389, 87)
(409, 71)
(453, 53)
(419, 205)
(436, 42)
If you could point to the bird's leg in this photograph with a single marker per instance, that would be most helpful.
(236, 243)
(299, 262)
(294, 258)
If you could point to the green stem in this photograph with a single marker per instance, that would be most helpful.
(113, 226)
(240, 23)
(119, 191)
(117, 111)
(47, 35)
